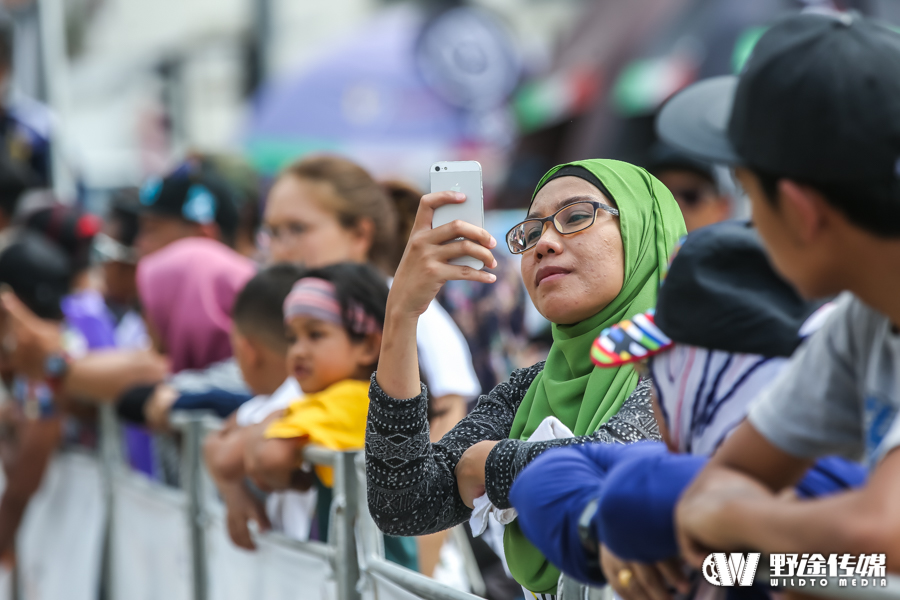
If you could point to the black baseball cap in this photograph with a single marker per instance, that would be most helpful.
(720, 293)
(190, 193)
(664, 157)
(817, 100)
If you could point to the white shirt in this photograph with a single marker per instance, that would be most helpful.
(444, 354)
(290, 512)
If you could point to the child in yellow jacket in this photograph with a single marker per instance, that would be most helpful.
(334, 318)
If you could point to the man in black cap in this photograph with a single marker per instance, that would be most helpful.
(187, 203)
(812, 126)
(692, 183)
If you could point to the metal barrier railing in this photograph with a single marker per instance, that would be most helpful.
(355, 548)
(340, 551)
(372, 558)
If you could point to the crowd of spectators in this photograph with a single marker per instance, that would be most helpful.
(708, 387)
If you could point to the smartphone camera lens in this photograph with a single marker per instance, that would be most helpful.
(437, 168)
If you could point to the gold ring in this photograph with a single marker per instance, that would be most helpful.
(625, 576)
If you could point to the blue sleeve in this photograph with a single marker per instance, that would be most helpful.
(638, 486)
(635, 516)
(830, 475)
(636, 509)
(221, 402)
(552, 492)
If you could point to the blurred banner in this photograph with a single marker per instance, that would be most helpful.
(60, 541)
(405, 90)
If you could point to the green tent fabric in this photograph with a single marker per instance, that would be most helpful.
(570, 387)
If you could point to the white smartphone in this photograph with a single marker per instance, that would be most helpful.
(459, 176)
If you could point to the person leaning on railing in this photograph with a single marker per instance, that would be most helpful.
(596, 240)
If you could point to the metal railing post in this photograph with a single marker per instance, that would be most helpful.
(111, 457)
(346, 563)
(192, 426)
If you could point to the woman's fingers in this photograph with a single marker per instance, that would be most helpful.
(432, 201)
(451, 250)
(460, 229)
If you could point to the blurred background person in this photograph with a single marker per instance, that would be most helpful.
(694, 185)
(189, 202)
(115, 252)
(39, 274)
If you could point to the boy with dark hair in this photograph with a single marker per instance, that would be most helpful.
(260, 345)
(258, 338)
(813, 124)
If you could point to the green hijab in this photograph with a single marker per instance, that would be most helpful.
(570, 388)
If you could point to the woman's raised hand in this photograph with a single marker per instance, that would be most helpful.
(423, 269)
(425, 266)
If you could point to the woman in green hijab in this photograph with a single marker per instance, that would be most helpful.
(594, 245)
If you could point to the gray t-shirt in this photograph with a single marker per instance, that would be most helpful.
(841, 391)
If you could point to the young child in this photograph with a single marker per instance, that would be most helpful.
(260, 347)
(334, 317)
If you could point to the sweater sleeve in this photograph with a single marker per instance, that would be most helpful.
(411, 482)
(634, 422)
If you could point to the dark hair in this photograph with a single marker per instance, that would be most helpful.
(70, 228)
(39, 273)
(357, 196)
(406, 201)
(124, 209)
(358, 283)
(257, 308)
(872, 206)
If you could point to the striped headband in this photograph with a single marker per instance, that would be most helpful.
(317, 298)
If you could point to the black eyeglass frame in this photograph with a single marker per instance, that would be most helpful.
(552, 218)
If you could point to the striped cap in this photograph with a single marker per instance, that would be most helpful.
(629, 341)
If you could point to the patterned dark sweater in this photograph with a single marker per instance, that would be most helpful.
(411, 482)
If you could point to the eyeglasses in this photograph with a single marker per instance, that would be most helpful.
(567, 220)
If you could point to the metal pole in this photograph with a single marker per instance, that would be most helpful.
(262, 35)
(111, 456)
(52, 27)
(193, 428)
(346, 567)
